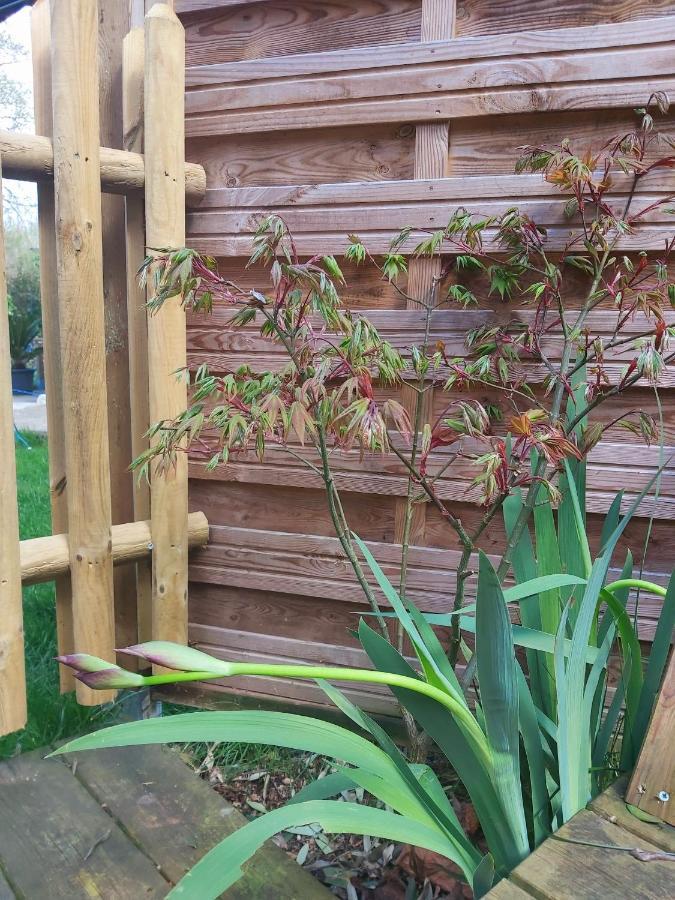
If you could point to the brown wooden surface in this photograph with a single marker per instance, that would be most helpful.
(12, 668)
(349, 152)
(137, 322)
(120, 825)
(77, 191)
(51, 341)
(652, 786)
(165, 228)
(562, 869)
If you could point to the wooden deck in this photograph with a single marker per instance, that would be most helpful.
(121, 825)
(569, 867)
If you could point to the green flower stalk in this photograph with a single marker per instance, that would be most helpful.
(193, 665)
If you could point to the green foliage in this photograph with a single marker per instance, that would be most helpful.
(526, 752)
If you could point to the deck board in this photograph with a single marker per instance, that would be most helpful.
(122, 825)
(562, 870)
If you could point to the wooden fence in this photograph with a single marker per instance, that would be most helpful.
(364, 116)
(96, 412)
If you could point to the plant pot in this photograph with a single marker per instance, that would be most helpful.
(22, 380)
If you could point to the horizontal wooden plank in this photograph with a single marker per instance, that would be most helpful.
(557, 869)
(226, 33)
(600, 67)
(316, 214)
(314, 566)
(475, 48)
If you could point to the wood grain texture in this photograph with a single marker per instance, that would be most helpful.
(652, 786)
(51, 353)
(133, 74)
(557, 869)
(30, 157)
(227, 33)
(80, 286)
(322, 155)
(44, 558)
(188, 818)
(13, 708)
(442, 80)
(321, 216)
(165, 227)
(611, 805)
(497, 17)
(113, 24)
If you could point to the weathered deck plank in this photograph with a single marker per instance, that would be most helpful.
(56, 841)
(177, 818)
(122, 825)
(571, 866)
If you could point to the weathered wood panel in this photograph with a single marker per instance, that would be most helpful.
(319, 112)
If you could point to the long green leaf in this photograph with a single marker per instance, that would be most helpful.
(222, 866)
(245, 726)
(534, 753)
(445, 677)
(574, 739)
(451, 739)
(496, 668)
(533, 640)
(524, 566)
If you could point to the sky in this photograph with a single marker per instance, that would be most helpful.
(18, 27)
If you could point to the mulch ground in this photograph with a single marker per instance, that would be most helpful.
(353, 867)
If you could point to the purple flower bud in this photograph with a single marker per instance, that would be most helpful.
(83, 662)
(177, 656)
(111, 678)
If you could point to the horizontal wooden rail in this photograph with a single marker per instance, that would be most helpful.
(320, 216)
(30, 157)
(44, 558)
(604, 66)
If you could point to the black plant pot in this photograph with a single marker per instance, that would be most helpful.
(22, 380)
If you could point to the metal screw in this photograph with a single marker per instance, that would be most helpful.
(151, 546)
(663, 796)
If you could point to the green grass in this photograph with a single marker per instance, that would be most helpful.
(51, 716)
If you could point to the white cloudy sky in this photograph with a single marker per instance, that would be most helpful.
(18, 27)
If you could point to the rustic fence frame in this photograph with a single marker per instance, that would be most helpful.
(72, 169)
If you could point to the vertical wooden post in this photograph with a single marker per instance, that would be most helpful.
(165, 228)
(431, 161)
(652, 787)
(133, 74)
(77, 192)
(113, 24)
(51, 353)
(12, 669)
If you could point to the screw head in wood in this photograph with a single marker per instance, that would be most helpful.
(663, 796)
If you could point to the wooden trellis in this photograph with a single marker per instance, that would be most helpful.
(72, 170)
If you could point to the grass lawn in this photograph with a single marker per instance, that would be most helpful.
(51, 716)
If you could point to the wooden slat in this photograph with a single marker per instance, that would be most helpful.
(652, 786)
(113, 24)
(605, 66)
(165, 227)
(12, 670)
(81, 324)
(137, 323)
(223, 33)
(323, 215)
(484, 47)
(188, 819)
(431, 161)
(30, 157)
(611, 805)
(559, 870)
(51, 341)
(56, 842)
(44, 558)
